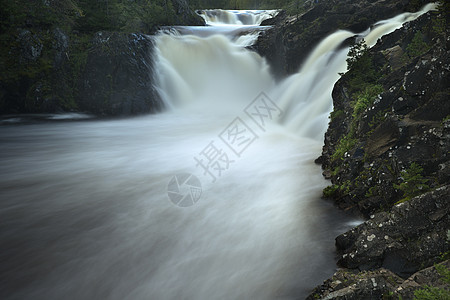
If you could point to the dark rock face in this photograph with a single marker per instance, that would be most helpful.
(35, 71)
(185, 15)
(411, 236)
(118, 79)
(287, 45)
(401, 127)
(395, 170)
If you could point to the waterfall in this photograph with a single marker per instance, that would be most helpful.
(218, 71)
(219, 17)
(98, 209)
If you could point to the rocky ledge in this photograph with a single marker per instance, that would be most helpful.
(386, 153)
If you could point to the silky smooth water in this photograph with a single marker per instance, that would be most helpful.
(85, 212)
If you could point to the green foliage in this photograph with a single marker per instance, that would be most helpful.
(330, 191)
(372, 191)
(435, 293)
(444, 272)
(356, 53)
(121, 15)
(417, 46)
(335, 190)
(440, 21)
(336, 114)
(431, 293)
(362, 82)
(360, 63)
(377, 119)
(346, 143)
(413, 182)
(365, 98)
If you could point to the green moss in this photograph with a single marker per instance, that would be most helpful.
(335, 171)
(336, 114)
(372, 191)
(335, 190)
(330, 191)
(346, 143)
(365, 99)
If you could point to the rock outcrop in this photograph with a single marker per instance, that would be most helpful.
(286, 45)
(395, 145)
(117, 79)
(386, 153)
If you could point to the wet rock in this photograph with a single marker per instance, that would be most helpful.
(118, 76)
(30, 46)
(404, 240)
(354, 285)
(61, 46)
(383, 138)
(395, 56)
(379, 284)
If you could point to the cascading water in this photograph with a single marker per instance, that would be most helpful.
(85, 210)
(236, 17)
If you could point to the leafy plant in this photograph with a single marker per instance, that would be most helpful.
(356, 53)
(346, 143)
(330, 191)
(431, 293)
(417, 46)
(360, 64)
(365, 98)
(413, 183)
(435, 293)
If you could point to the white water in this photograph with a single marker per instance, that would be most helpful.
(85, 212)
(219, 17)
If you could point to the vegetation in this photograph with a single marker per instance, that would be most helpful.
(330, 191)
(360, 62)
(346, 143)
(365, 98)
(435, 293)
(336, 114)
(334, 190)
(361, 82)
(413, 182)
(418, 46)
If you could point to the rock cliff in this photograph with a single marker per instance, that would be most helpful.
(386, 153)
